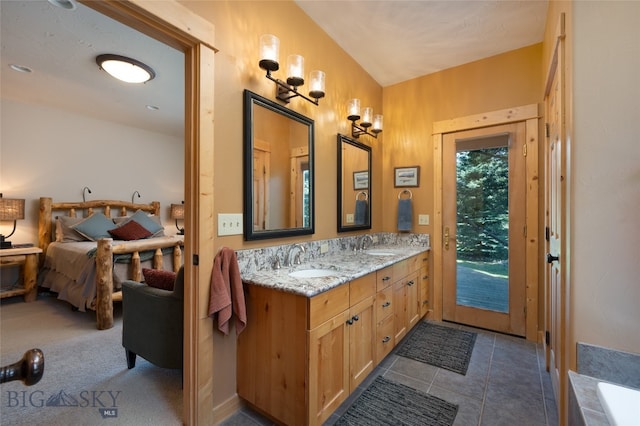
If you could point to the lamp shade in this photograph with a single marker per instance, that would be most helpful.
(177, 211)
(11, 209)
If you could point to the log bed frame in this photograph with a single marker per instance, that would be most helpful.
(104, 256)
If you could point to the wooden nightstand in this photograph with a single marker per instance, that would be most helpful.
(27, 257)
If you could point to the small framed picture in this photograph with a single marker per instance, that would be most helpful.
(407, 176)
(361, 180)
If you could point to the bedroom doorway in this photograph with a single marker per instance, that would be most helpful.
(167, 22)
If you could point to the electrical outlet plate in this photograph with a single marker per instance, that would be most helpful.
(324, 248)
(229, 224)
(423, 219)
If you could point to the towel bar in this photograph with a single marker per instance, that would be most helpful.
(405, 192)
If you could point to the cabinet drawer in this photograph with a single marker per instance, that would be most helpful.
(327, 305)
(414, 263)
(400, 269)
(362, 287)
(384, 307)
(424, 261)
(384, 278)
(384, 338)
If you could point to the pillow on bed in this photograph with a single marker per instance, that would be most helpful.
(64, 231)
(129, 231)
(158, 278)
(95, 227)
(150, 222)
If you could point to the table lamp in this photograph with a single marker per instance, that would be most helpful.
(10, 209)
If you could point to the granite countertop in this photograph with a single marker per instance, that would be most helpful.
(348, 265)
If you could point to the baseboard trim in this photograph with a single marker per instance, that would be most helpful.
(227, 409)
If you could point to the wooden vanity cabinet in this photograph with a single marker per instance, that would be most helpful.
(299, 358)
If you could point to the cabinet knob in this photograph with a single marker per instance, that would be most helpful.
(386, 339)
(386, 304)
(355, 318)
(410, 283)
(386, 278)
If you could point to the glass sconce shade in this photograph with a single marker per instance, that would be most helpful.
(353, 109)
(366, 117)
(295, 70)
(269, 52)
(377, 123)
(316, 86)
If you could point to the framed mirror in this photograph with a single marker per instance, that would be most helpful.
(354, 185)
(278, 170)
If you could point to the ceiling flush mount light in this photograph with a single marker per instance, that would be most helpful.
(269, 53)
(368, 120)
(65, 4)
(125, 69)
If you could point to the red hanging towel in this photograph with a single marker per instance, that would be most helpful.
(227, 295)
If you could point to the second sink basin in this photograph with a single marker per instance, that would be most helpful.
(313, 273)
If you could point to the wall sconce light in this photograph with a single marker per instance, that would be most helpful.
(134, 196)
(85, 189)
(269, 54)
(368, 120)
(125, 69)
(177, 212)
(10, 209)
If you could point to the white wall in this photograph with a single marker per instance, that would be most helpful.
(605, 266)
(54, 153)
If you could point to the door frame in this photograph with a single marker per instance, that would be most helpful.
(530, 116)
(512, 321)
(175, 25)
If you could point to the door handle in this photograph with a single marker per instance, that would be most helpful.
(446, 238)
(551, 258)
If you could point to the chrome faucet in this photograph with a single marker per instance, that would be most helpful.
(363, 241)
(294, 260)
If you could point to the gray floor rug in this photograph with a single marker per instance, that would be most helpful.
(388, 403)
(440, 346)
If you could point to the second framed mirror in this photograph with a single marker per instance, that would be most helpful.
(354, 185)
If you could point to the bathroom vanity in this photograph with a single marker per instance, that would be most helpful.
(311, 341)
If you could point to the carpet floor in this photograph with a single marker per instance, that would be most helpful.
(440, 346)
(388, 403)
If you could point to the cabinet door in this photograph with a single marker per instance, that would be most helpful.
(384, 338)
(399, 310)
(424, 291)
(362, 326)
(413, 305)
(328, 367)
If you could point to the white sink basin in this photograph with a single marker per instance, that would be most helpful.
(313, 273)
(378, 253)
(621, 405)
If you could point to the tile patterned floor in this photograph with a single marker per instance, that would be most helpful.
(506, 384)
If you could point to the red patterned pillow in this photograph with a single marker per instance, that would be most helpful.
(131, 230)
(158, 278)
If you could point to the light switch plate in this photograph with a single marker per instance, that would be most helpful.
(324, 248)
(350, 218)
(423, 219)
(229, 224)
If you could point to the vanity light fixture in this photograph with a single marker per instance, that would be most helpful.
(10, 209)
(177, 212)
(125, 69)
(369, 120)
(286, 90)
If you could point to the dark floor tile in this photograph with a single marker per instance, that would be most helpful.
(414, 369)
(469, 409)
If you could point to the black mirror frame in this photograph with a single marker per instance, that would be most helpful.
(345, 139)
(250, 100)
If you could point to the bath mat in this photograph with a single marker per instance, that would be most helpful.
(440, 346)
(388, 403)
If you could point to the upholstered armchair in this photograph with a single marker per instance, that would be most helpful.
(152, 323)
